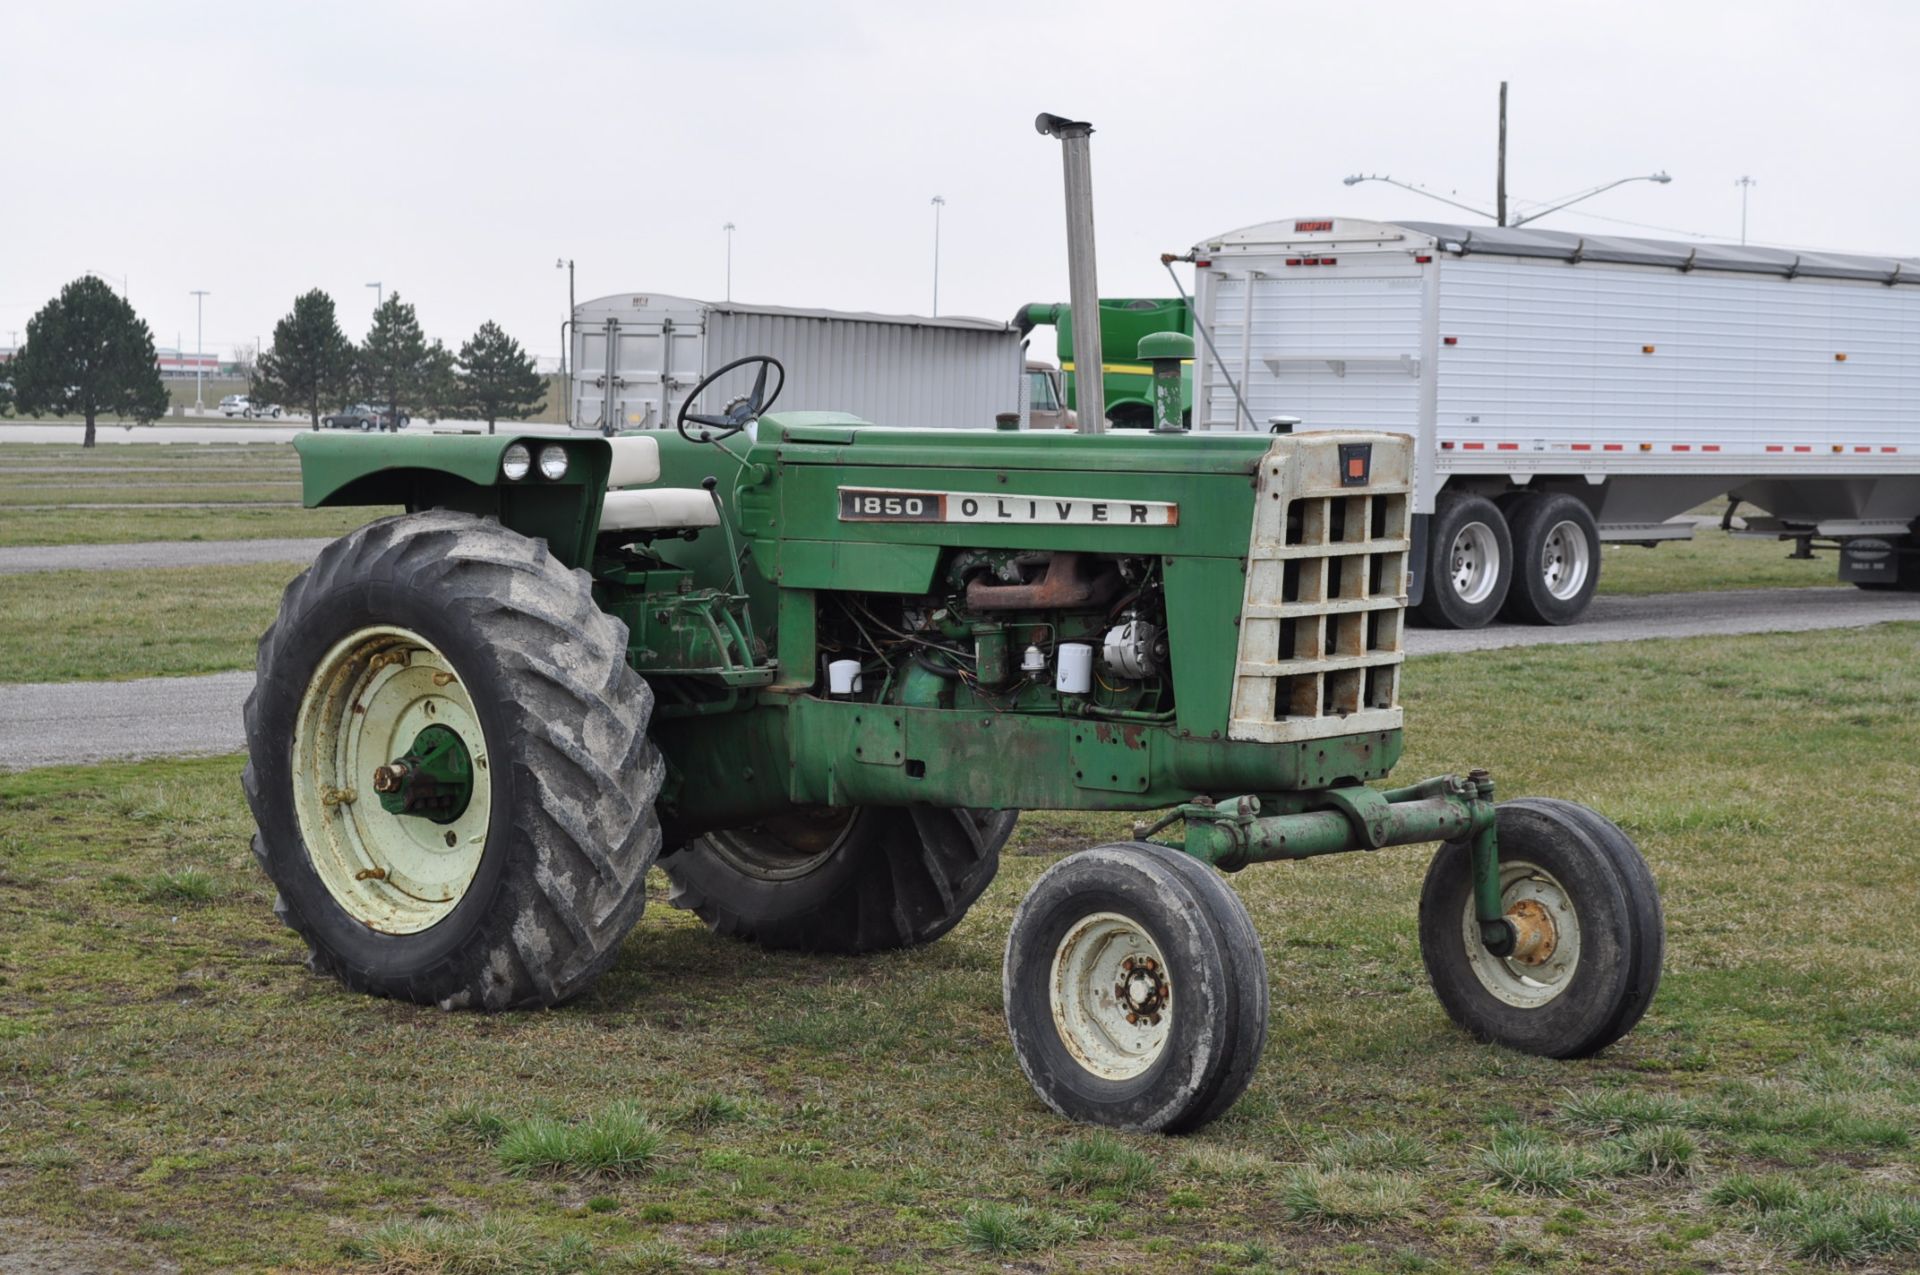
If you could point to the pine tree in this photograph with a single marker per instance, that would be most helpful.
(497, 378)
(393, 362)
(88, 353)
(311, 362)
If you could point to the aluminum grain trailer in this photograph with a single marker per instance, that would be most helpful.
(1566, 391)
(636, 355)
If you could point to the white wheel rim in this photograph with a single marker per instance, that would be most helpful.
(1105, 969)
(1474, 562)
(1520, 983)
(1565, 560)
(370, 697)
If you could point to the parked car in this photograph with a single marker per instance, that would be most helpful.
(262, 411)
(388, 420)
(359, 416)
(233, 405)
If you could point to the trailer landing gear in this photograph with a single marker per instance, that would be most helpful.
(1136, 991)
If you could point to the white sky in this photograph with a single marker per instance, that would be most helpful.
(452, 150)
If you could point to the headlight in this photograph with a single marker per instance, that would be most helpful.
(553, 462)
(515, 462)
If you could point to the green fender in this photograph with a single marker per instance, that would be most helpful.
(462, 471)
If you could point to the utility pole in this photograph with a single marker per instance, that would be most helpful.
(199, 303)
(379, 296)
(939, 202)
(1500, 173)
(729, 229)
(1745, 184)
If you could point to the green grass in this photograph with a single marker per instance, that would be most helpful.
(93, 625)
(618, 1141)
(20, 527)
(176, 1086)
(153, 474)
(1712, 560)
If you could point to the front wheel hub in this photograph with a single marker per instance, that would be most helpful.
(433, 779)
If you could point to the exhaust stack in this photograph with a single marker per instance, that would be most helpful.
(1083, 284)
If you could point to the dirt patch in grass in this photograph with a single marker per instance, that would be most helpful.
(174, 1081)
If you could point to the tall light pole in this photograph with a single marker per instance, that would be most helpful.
(939, 202)
(1745, 184)
(729, 229)
(566, 328)
(199, 302)
(379, 295)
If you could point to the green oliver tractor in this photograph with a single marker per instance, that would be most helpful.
(814, 669)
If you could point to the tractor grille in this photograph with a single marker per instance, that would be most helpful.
(1321, 626)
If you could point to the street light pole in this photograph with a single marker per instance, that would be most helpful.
(199, 303)
(379, 296)
(1661, 178)
(566, 327)
(729, 229)
(1745, 184)
(939, 202)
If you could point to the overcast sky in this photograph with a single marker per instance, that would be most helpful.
(452, 150)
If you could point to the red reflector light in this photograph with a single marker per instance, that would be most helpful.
(1293, 261)
(1421, 261)
(1201, 265)
(1311, 261)
(1450, 340)
(1328, 261)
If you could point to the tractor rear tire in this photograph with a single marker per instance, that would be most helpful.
(451, 618)
(828, 881)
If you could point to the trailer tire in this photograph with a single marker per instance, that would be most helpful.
(1556, 554)
(454, 618)
(1469, 562)
(1576, 869)
(869, 880)
(1091, 923)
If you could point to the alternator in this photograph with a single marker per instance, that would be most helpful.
(1134, 650)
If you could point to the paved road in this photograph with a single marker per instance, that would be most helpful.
(58, 723)
(1672, 615)
(79, 722)
(158, 553)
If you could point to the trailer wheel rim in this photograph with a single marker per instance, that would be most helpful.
(1473, 562)
(370, 697)
(1565, 560)
(1527, 983)
(1106, 971)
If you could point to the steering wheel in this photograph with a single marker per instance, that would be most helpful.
(742, 411)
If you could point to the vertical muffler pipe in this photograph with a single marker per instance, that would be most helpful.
(1090, 398)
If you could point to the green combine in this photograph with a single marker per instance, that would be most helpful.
(1124, 323)
(814, 668)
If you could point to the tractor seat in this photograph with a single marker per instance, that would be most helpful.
(636, 462)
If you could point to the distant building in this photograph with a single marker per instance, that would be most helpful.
(178, 363)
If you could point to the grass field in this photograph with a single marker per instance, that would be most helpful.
(175, 1086)
(61, 626)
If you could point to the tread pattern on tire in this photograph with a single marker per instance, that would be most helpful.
(584, 772)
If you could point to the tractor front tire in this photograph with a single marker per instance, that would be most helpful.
(866, 880)
(443, 622)
(1593, 912)
(1136, 989)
